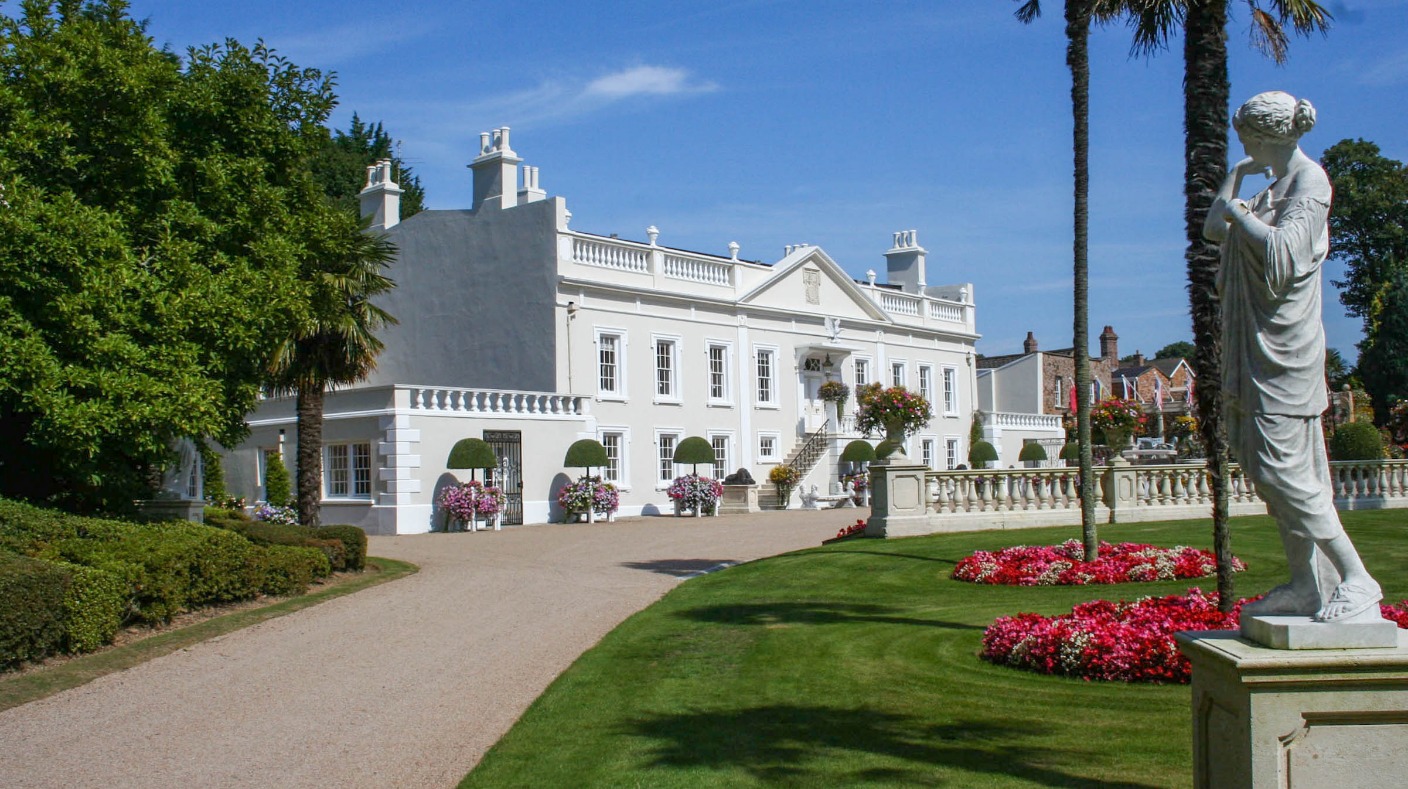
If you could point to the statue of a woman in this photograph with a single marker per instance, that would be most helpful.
(1273, 357)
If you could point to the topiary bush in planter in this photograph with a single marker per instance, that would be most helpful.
(1357, 441)
(981, 454)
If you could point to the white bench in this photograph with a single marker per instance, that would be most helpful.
(813, 501)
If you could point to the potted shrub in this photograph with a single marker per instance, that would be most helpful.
(981, 454)
(693, 489)
(1032, 453)
(785, 478)
(587, 453)
(858, 452)
(696, 493)
(588, 496)
(472, 454)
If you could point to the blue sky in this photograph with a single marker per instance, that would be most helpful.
(774, 122)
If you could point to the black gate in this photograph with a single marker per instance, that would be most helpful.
(508, 448)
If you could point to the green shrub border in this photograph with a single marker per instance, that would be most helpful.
(24, 688)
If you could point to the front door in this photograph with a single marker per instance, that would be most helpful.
(508, 475)
(813, 409)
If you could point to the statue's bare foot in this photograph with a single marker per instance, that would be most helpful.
(1349, 599)
(1284, 599)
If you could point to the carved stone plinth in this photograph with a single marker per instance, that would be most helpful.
(172, 509)
(1268, 718)
(898, 504)
(739, 499)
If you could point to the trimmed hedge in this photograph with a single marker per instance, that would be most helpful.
(354, 543)
(27, 530)
(170, 566)
(94, 606)
(1356, 441)
(31, 608)
(289, 569)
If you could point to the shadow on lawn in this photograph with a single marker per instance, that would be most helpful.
(679, 568)
(810, 613)
(792, 743)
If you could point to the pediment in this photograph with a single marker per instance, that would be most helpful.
(809, 281)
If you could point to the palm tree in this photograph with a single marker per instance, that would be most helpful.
(336, 344)
(1078, 17)
(1205, 113)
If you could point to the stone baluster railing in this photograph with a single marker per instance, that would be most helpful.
(494, 402)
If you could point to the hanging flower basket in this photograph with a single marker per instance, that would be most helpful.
(833, 392)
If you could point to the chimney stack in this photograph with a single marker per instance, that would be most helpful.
(495, 172)
(381, 197)
(1138, 359)
(1110, 346)
(530, 193)
(904, 262)
(1030, 345)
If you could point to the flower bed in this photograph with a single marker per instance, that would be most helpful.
(1124, 641)
(1064, 565)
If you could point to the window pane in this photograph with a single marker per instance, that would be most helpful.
(765, 377)
(950, 396)
(667, 458)
(337, 470)
(722, 465)
(718, 383)
(951, 453)
(612, 443)
(362, 470)
(608, 363)
(897, 374)
(664, 367)
(767, 447)
(926, 383)
(862, 372)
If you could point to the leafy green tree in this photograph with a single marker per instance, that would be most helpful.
(1181, 349)
(341, 164)
(1369, 223)
(150, 246)
(336, 344)
(1383, 354)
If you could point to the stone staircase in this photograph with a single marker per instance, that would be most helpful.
(803, 457)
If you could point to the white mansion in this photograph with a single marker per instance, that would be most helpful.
(517, 329)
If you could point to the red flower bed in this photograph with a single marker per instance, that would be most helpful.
(1064, 565)
(1127, 642)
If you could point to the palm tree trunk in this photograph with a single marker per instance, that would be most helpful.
(310, 453)
(1205, 102)
(1078, 59)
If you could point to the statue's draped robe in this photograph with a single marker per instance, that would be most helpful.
(1273, 359)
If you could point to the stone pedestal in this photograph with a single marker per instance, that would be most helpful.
(898, 506)
(1268, 718)
(739, 499)
(172, 509)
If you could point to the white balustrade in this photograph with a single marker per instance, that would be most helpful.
(1179, 488)
(494, 402)
(899, 303)
(945, 311)
(611, 254)
(709, 272)
(1011, 419)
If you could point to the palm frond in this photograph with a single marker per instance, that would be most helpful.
(1028, 13)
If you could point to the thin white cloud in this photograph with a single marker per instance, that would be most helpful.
(1387, 71)
(646, 80)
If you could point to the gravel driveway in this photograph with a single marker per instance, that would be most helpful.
(405, 684)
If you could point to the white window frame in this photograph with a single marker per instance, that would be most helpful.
(770, 351)
(619, 392)
(928, 450)
(953, 450)
(354, 486)
(1060, 392)
(722, 468)
(899, 369)
(622, 481)
(726, 398)
(926, 382)
(949, 378)
(860, 371)
(675, 435)
(776, 456)
(674, 393)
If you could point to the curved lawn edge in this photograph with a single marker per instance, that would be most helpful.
(43, 682)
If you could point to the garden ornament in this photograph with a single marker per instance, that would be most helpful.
(1273, 358)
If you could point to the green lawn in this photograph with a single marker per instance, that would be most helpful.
(856, 664)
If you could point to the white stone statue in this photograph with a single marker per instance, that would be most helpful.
(1273, 362)
(181, 480)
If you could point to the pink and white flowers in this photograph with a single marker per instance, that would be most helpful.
(1065, 565)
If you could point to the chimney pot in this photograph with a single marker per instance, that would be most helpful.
(1029, 346)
